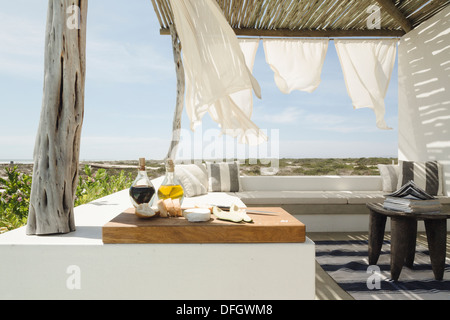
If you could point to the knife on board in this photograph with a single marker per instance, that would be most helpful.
(248, 210)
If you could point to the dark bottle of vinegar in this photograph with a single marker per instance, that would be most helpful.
(142, 190)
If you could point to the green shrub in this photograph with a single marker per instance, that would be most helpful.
(94, 185)
(14, 200)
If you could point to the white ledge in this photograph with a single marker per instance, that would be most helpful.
(89, 219)
(78, 265)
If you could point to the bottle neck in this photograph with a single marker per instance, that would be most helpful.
(142, 179)
(170, 177)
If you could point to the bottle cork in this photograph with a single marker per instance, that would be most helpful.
(142, 164)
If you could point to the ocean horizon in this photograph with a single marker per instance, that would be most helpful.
(18, 161)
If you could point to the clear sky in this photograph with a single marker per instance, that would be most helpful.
(131, 89)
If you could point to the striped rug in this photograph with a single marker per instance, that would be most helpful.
(347, 263)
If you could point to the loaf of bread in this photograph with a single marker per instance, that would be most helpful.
(177, 207)
(169, 208)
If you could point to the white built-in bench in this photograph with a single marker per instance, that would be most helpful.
(332, 190)
(323, 203)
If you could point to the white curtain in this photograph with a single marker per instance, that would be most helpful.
(215, 69)
(244, 98)
(297, 64)
(367, 66)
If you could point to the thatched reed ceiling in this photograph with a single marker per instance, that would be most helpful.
(316, 18)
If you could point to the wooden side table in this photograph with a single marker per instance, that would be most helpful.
(403, 238)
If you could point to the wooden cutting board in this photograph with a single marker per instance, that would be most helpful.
(279, 226)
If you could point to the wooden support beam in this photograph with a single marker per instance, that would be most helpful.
(56, 152)
(427, 11)
(176, 129)
(285, 33)
(396, 14)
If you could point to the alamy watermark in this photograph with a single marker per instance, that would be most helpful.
(372, 22)
(374, 19)
(74, 19)
(374, 279)
(73, 281)
(212, 145)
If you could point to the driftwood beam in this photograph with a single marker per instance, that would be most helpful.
(57, 147)
(176, 129)
(311, 33)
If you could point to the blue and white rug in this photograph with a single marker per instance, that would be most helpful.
(347, 263)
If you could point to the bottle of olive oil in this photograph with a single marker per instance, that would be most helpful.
(170, 187)
(142, 190)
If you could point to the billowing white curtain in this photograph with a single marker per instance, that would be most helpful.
(367, 66)
(244, 98)
(215, 69)
(297, 64)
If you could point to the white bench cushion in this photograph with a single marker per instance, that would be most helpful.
(362, 197)
(291, 197)
(311, 183)
(309, 197)
(255, 198)
(213, 198)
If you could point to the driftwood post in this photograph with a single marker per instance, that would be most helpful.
(176, 130)
(56, 153)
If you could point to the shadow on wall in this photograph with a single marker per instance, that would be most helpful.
(424, 93)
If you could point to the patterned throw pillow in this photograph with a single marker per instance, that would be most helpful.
(389, 176)
(223, 177)
(193, 178)
(426, 175)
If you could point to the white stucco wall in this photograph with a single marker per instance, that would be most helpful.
(424, 93)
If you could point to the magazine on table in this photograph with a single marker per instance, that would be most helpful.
(413, 190)
(411, 198)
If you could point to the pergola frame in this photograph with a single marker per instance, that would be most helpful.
(316, 18)
(56, 155)
(302, 19)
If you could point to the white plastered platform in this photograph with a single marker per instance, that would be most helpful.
(79, 266)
